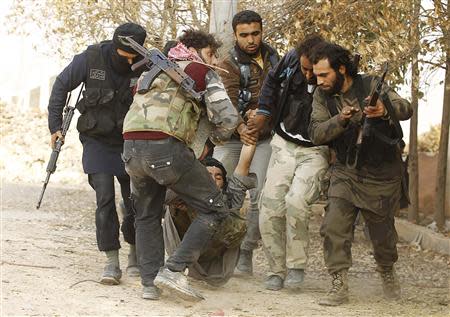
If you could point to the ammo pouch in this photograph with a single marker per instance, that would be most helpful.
(375, 148)
(97, 112)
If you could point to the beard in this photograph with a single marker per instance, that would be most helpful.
(337, 85)
(119, 63)
(254, 54)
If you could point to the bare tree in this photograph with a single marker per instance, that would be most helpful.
(413, 210)
(443, 14)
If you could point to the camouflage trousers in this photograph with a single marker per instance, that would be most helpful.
(293, 185)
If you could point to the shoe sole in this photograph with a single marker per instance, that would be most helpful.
(293, 287)
(133, 273)
(273, 288)
(240, 273)
(108, 280)
(151, 297)
(180, 292)
(333, 303)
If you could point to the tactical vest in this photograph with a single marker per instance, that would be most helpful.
(102, 107)
(245, 94)
(166, 108)
(374, 151)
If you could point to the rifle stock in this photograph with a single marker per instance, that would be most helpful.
(364, 129)
(154, 58)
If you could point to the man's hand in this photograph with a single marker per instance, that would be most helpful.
(379, 110)
(247, 137)
(55, 136)
(346, 114)
(256, 123)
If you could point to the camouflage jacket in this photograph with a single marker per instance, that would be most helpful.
(167, 108)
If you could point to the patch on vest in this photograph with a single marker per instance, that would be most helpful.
(97, 74)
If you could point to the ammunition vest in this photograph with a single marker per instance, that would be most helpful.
(167, 108)
(103, 106)
(374, 152)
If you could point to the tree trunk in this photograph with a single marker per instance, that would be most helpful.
(221, 16)
(439, 213)
(442, 170)
(413, 168)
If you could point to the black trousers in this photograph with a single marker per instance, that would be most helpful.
(154, 166)
(106, 218)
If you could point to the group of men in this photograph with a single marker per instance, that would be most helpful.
(272, 123)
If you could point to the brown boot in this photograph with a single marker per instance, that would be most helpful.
(338, 294)
(391, 285)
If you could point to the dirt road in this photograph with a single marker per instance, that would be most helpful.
(50, 265)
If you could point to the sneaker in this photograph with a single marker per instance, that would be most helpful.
(338, 294)
(391, 285)
(111, 275)
(151, 292)
(176, 283)
(245, 263)
(274, 283)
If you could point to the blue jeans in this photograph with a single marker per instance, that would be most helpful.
(154, 166)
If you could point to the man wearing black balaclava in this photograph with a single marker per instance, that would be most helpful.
(105, 69)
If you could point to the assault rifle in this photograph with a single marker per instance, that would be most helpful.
(364, 130)
(157, 62)
(51, 166)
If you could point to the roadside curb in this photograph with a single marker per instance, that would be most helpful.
(422, 237)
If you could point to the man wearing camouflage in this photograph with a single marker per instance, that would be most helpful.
(373, 187)
(296, 166)
(158, 129)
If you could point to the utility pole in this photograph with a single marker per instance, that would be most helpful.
(221, 16)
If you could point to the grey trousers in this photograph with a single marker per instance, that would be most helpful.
(154, 166)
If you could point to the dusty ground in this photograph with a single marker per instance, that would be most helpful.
(50, 263)
(46, 252)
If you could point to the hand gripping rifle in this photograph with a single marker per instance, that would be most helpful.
(51, 166)
(157, 62)
(364, 130)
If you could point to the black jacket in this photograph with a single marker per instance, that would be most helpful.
(285, 95)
